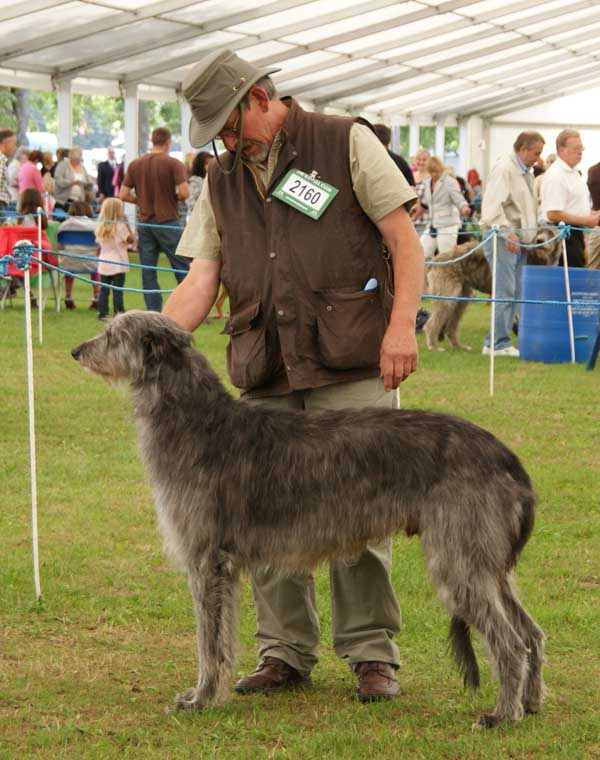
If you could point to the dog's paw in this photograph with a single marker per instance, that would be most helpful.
(485, 721)
(491, 720)
(532, 706)
(189, 700)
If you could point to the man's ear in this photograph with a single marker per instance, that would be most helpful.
(260, 96)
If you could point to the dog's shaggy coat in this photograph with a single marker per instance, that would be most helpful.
(460, 279)
(241, 487)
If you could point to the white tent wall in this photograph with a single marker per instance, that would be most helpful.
(549, 119)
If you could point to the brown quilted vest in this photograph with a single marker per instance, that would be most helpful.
(300, 317)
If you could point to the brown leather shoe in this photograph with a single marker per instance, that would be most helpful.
(376, 680)
(272, 674)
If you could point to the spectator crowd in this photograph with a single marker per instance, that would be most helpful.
(523, 190)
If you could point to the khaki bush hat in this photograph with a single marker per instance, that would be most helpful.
(213, 88)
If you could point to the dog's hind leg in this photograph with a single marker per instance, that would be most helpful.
(434, 326)
(506, 647)
(533, 636)
(454, 319)
(214, 584)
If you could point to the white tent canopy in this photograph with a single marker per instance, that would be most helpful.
(418, 61)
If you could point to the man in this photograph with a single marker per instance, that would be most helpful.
(565, 196)
(384, 133)
(157, 182)
(294, 231)
(593, 183)
(106, 171)
(8, 145)
(510, 203)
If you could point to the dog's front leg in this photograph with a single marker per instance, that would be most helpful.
(214, 583)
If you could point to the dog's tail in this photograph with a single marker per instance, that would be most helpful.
(459, 642)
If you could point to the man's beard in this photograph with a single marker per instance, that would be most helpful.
(256, 157)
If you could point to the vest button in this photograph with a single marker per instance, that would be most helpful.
(267, 200)
(280, 312)
(272, 255)
(329, 308)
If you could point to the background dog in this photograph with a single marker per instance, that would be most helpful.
(459, 280)
(239, 487)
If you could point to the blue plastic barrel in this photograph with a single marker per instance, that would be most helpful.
(544, 328)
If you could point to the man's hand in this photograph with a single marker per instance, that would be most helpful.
(513, 244)
(398, 356)
(398, 352)
(593, 219)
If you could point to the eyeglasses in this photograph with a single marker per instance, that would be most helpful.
(231, 131)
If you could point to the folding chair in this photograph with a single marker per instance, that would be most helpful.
(9, 236)
(83, 243)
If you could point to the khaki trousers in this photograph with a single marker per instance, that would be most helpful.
(593, 250)
(364, 609)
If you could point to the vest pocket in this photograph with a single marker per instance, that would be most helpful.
(248, 364)
(350, 328)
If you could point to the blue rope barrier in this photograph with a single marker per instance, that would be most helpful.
(101, 284)
(24, 255)
(460, 258)
(14, 215)
(590, 304)
(131, 264)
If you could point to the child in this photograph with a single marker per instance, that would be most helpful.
(79, 220)
(29, 202)
(113, 235)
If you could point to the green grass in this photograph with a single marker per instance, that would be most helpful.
(90, 671)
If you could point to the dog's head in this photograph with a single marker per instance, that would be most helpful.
(134, 346)
(547, 254)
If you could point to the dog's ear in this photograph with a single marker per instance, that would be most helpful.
(163, 346)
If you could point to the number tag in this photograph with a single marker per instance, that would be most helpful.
(305, 193)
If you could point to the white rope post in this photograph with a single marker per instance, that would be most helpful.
(30, 403)
(40, 274)
(568, 292)
(493, 325)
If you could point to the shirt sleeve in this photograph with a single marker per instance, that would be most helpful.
(180, 173)
(496, 194)
(129, 179)
(456, 196)
(201, 239)
(378, 184)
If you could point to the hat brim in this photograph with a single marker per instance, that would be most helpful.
(202, 132)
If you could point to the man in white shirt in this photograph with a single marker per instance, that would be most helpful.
(565, 195)
(510, 203)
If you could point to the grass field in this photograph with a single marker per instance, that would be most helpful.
(90, 671)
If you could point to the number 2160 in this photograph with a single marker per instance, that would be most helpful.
(308, 194)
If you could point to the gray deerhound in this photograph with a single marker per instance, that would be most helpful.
(240, 487)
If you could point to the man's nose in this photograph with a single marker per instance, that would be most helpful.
(230, 142)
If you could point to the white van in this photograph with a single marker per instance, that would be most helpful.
(44, 141)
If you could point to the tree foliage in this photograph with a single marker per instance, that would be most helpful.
(96, 119)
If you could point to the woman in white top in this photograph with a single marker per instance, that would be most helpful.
(72, 183)
(445, 203)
